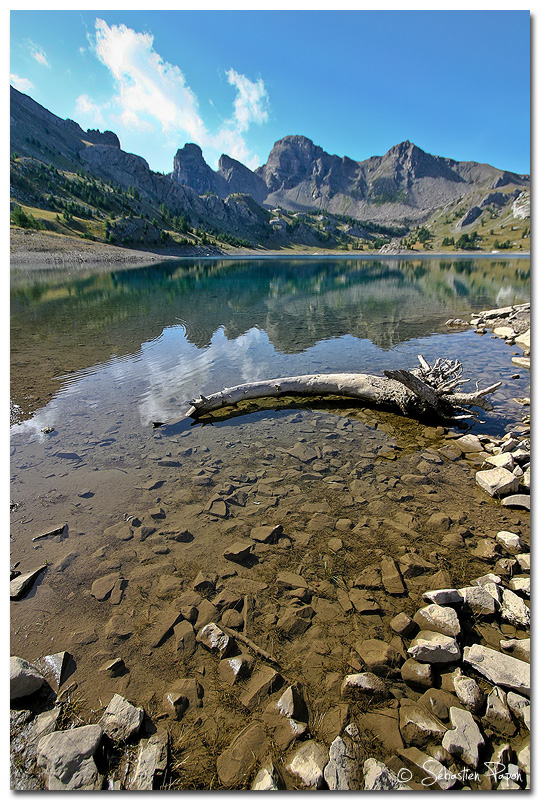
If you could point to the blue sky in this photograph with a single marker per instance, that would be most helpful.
(456, 83)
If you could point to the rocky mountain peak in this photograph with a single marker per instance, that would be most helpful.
(190, 169)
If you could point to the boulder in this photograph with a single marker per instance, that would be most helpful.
(511, 542)
(418, 727)
(151, 763)
(514, 610)
(478, 601)
(67, 757)
(121, 719)
(403, 625)
(441, 619)
(417, 675)
(464, 740)
(286, 718)
(434, 648)
(307, 763)
(344, 769)
(497, 715)
(468, 692)
(499, 668)
(238, 552)
(359, 683)
(215, 640)
(497, 482)
(24, 678)
(378, 777)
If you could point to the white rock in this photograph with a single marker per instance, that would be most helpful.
(489, 578)
(121, 719)
(495, 591)
(499, 668)
(377, 776)
(524, 561)
(438, 618)
(468, 692)
(434, 648)
(308, 762)
(521, 585)
(504, 332)
(524, 340)
(514, 610)
(464, 740)
(24, 678)
(265, 780)
(520, 707)
(503, 460)
(520, 361)
(68, 758)
(510, 541)
(477, 600)
(362, 683)
(497, 482)
(344, 769)
(428, 767)
(469, 443)
(443, 597)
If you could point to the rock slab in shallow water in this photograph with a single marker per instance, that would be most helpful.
(499, 668)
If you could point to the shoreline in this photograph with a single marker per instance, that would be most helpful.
(33, 251)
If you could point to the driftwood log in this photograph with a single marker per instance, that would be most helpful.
(428, 389)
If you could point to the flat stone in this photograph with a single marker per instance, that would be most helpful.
(262, 683)
(499, 668)
(521, 361)
(204, 582)
(468, 443)
(206, 613)
(290, 580)
(490, 577)
(442, 619)
(121, 719)
(511, 542)
(22, 584)
(184, 637)
(497, 482)
(519, 648)
(233, 669)
(418, 727)
(391, 577)
(477, 601)
(214, 639)
(102, 587)
(24, 678)
(524, 561)
(468, 692)
(369, 578)
(267, 534)
(151, 763)
(497, 715)
(434, 648)
(242, 754)
(486, 550)
(217, 508)
(238, 552)
(378, 777)
(163, 625)
(363, 602)
(518, 500)
(293, 624)
(416, 675)
(514, 610)
(344, 769)
(361, 683)
(307, 763)
(437, 702)
(335, 544)
(67, 757)
(119, 626)
(464, 740)
(524, 340)
(504, 332)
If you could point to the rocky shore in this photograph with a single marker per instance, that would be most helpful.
(437, 697)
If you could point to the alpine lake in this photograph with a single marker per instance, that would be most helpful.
(99, 358)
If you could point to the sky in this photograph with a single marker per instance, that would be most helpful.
(456, 83)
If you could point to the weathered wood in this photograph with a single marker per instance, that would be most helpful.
(252, 646)
(429, 388)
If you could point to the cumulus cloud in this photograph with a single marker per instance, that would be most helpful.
(39, 54)
(152, 94)
(22, 84)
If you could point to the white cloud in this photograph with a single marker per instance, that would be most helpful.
(22, 84)
(153, 95)
(39, 54)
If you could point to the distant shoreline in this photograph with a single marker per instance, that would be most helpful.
(33, 250)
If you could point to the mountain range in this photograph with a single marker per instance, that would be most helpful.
(301, 193)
